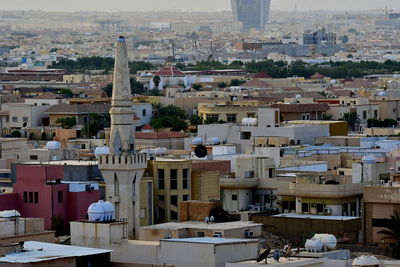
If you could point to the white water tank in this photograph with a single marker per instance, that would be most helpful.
(53, 145)
(101, 211)
(328, 241)
(366, 261)
(369, 159)
(9, 214)
(313, 245)
(160, 151)
(249, 121)
(148, 151)
(101, 150)
(213, 141)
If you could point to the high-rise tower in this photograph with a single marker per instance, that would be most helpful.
(122, 169)
(252, 13)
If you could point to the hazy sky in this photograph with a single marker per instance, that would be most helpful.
(200, 5)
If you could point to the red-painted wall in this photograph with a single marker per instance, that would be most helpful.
(8, 201)
(79, 203)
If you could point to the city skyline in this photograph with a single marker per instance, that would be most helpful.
(191, 5)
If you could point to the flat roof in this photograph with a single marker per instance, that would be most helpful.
(40, 251)
(62, 162)
(210, 240)
(202, 225)
(316, 217)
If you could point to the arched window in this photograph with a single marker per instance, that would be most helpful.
(116, 185)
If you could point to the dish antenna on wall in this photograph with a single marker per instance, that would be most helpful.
(200, 151)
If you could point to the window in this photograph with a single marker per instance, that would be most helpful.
(364, 115)
(375, 113)
(161, 198)
(271, 173)
(200, 234)
(36, 197)
(231, 117)
(116, 185)
(174, 179)
(212, 117)
(7, 119)
(30, 197)
(33, 157)
(185, 197)
(320, 208)
(174, 200)
(60, 196)
(25, 119)
(14, 119)
(305, 207)
(144, 112)
(174, 215)
(305, 116)
(185, 180)
(251, 115)
(161, 214)
(245, 135)
(380, 222)
(234, 197)
(25, 197)
(161, 179)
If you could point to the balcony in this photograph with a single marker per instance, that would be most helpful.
(325, 190)
(235, 183)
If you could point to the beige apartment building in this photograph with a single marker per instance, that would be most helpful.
(172, 185)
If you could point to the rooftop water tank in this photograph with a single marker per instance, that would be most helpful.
(369, 159)
(101, 150)
(149, 151)
(160, 151)
(249, 121)
(366, 261)
(313, 245)
(101, 211)
(213, 141)
(382, 93)
(53, 145)
(328, 241)
(9, 214)
(298, 96)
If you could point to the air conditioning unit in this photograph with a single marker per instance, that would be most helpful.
(217, 235)
(248, 233)
(89, 188)
(248, 174)
(328, 211)
(167, 235)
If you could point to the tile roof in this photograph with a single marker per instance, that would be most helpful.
(262, 75)
(170, 71)
(317, 76)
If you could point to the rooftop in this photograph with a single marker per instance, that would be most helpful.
(203, 225)
(40, 251)
(210, 240)
(316, 217)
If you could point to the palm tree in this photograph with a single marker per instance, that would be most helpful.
(352, 118)
(157, 80)
(393, 226)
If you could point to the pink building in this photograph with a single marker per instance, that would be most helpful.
(40, 193)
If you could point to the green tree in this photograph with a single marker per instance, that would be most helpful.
(16, 134)
(137, 87)
(108, 89)
(196, 121)
(95, 123)
(67, 122)
(352, 119)
(222, 85)
(197, 86)
(393, 232)
(345, 39)
(168, 117)
(66, 92)
(237, 82)
(156, 80)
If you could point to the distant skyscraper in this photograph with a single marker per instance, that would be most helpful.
(253, 13)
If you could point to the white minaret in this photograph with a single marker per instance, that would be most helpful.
(122, 169)
(122, 138)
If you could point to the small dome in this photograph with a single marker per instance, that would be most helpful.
(366, 261)
(298, 96)
(53, 145)
(101, 150)
(382, 93)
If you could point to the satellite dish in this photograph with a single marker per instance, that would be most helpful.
(264, 255)
(200, 151)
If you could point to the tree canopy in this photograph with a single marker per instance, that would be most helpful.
(169, 117)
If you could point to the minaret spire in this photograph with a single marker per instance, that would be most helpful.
(121, 112)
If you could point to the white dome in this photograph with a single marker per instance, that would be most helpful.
(298, 96)
(382, 93)
(365, 261)
(53, 145)
(9, 214)
(101, 150)
(101, 211)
